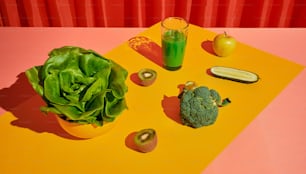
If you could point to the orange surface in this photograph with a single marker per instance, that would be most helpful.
(180, 149)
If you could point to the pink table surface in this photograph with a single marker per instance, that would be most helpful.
(274, 143)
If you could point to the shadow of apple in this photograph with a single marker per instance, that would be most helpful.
(208, 47)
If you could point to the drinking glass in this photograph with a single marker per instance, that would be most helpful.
(174, 31)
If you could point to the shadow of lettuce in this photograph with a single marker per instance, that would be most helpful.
(22, 101)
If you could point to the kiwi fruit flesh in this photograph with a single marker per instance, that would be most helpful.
(145, 140)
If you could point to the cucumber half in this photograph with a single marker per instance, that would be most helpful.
(234, 74)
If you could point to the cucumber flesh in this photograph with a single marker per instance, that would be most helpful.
(234, 74)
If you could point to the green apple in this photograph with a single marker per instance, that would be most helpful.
(224, 45)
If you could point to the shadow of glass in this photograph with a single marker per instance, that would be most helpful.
(147, 48)
(22, 101)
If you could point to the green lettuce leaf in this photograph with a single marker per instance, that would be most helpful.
(80, 85)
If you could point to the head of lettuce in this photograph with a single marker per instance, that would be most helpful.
(80, 85)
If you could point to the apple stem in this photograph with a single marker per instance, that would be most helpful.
(225, 33)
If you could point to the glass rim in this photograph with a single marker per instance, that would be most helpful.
(174, 17)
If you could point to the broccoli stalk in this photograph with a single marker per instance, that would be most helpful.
(199, 106)
(225, 102)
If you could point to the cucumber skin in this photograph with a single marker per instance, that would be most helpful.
(233, 79)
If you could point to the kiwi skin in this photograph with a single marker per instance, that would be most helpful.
(147, 145)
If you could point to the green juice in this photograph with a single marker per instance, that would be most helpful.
(173, 47)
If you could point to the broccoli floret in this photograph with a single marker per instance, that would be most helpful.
(199, 106)
(215, 96)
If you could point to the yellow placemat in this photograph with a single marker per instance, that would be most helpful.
(180, 149)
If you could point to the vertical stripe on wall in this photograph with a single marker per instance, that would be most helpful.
(298, 18)
(61, 13)
(1, 24)
(281, 13)
(256, 13)
(183, 8)
(144, 13)
(9, 13)
(35, 12)
(229, 13)
(204, 12)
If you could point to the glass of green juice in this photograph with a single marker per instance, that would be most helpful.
(174, 31)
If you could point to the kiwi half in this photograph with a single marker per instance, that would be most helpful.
(145, 140)
(147, 76)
